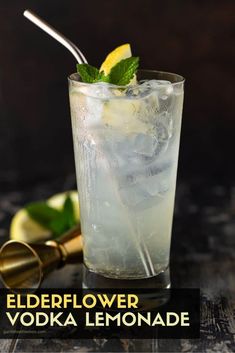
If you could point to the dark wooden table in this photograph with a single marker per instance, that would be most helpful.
(202, 256)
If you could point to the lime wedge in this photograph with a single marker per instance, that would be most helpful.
(26, 229)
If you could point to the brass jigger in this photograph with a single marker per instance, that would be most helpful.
(25, 265)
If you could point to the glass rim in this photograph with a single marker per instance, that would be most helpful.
(179, 78)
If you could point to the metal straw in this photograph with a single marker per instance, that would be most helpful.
(56, 35)
(141, 248)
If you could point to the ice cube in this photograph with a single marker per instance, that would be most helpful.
(137, 198)
(158, 183)
(145, 144)
(144, 188)
(132, 195)
(89, 102)
(164, 126)
(149, 109)
(100, 90)
(163, 88)
(149, 145)
(122, 114)
(94, 113)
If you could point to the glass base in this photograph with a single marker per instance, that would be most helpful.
(95, 280)
(152, 292)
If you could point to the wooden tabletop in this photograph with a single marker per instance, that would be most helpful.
(202, 256)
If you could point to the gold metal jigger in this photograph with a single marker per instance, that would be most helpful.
(25, 265)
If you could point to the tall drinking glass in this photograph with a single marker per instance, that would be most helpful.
(126, 143)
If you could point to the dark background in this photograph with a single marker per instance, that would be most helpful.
(194, 38)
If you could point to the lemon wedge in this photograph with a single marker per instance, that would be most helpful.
(118, 54)
(26, 229)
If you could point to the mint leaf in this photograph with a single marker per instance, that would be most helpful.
(122, 73)
(102, 77)
(68, 212)
(42, 213)
(59, 225)
(91, 74)
(58, 222)
(65, 220)
(88, 73)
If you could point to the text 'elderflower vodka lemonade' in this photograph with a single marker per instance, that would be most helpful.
(126, 131)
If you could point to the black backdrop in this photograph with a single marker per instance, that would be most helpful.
(194, 38)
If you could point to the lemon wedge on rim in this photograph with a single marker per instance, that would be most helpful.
(118, 54)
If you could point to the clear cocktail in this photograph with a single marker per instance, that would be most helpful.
(126, 142)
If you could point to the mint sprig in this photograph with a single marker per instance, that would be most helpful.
(57, 221)
(90, 74)
(121, 74)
